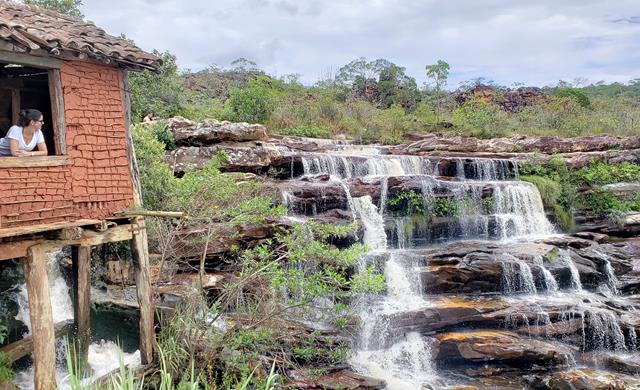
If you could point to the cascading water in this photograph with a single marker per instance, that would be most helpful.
(550, 282)
(480, 199)
(104, 356)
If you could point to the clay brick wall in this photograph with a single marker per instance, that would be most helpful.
(96, 182)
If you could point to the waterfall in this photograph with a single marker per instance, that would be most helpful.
(519, 211)
(384, 193)
(374, 235)
(574, 274)
(601, 330)
(517, 276)
(61, 304)
(406, 363)
(549, 281)
(103, 356)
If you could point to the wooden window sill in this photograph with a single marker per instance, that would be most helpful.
(35, 161)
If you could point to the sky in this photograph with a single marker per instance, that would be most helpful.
(534, 42)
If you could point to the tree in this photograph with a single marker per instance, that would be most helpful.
(159, 92)
(360, 70)
(69, 7)
(396, 88)
(438, 74)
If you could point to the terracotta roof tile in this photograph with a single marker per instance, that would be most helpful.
(32, 28)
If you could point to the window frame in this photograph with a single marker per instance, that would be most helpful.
(52, 66)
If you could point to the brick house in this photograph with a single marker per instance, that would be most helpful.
(76, 74)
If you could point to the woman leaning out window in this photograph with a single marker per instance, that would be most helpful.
(22, 139)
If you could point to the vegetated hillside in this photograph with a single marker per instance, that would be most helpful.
(376, 101)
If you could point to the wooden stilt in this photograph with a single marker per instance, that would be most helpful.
(44, 348)
(140, 254)
(81, 263)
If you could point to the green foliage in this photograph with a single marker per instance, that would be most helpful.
(156, 178)
(479, 119)
(307, 131)
(551, 193)
(254, 103)
(69, 7)
(605, 204)
(160, 92)
(603, 173)
(574, 93)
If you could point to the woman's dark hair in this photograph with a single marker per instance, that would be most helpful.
(26, 116)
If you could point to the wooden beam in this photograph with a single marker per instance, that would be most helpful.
(57, 111)
(15, 105)
(44, 344)
(23, 230)
(30, 60)
(81, 265)
(24, 347)
(140, 256)
(139, 245)
(35, 161)
(17, 249)
(149, 213)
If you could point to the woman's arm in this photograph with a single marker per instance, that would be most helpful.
(15, 149)
(42, 150)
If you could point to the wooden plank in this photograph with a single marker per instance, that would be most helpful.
(25, 59)
(81, 264)
(131, 155)
(35, 161)
(57, 111)
(15, 105)
(139, 244)
(22, 230)
(44, 345)
(150, 213)
(24, 347)
(140, 256)
(17, 249)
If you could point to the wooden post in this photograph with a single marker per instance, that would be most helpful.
(44, 347)
(140, 255)
(139, 245)
(81, 266)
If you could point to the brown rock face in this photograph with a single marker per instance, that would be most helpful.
(337, 380)
(587, 379)
(212, 131)
(497, 346)
(240, 157)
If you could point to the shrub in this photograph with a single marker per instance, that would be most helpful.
(576, 94)
(480, 119)
(603, 173)
(254, 103)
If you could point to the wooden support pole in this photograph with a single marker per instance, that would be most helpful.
(140, 255)
(44, 347)
(81, 265)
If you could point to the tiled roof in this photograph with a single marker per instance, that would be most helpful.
(30, 28)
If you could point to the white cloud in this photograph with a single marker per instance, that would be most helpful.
(508, 41)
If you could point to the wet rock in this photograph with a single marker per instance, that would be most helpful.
(342, 379)
(586, 379)
(626, 364)
(592, 236)
(186, 132)
(119, 272)
(479, 347)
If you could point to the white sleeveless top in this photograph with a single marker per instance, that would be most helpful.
(15, 132)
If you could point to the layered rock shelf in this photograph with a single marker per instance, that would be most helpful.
(482, 290)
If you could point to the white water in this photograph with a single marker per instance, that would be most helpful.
(565, 256)
(374, 235)
(519, 211)
(549, 281)
(406, 362)
(103, 356)
(517, 276)
(61, 305)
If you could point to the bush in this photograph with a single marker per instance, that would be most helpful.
(576, 94)
(254, 103)
(603, 173)
(479, 119)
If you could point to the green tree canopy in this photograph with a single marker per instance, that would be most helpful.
(69, 7)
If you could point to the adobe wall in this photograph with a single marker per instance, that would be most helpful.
(96, 182)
